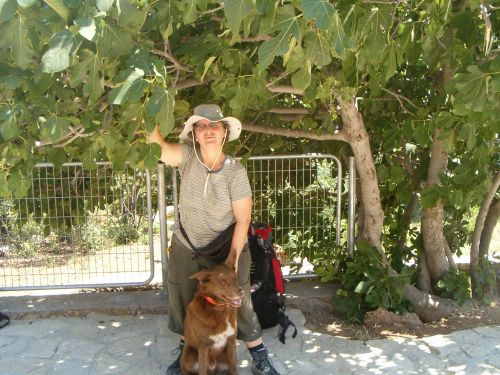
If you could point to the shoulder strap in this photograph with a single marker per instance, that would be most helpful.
(186, 236)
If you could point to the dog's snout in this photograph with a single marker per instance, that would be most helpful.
(241, 293)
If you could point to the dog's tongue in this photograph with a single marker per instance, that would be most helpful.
(236, 302)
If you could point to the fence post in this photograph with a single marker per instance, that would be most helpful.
(351, 204)
(163, 225)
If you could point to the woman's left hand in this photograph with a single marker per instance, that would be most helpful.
(232, 261)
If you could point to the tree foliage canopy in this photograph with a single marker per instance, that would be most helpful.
(83, 78)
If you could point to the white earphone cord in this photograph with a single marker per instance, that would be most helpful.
(209, 170)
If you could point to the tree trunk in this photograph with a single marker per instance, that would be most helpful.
(357, 136)
(406, 219)
(432, 217)
(423, 278)
(489, 226)
(477, 288)
(428, 307)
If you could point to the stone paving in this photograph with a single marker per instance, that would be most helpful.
(142, 345)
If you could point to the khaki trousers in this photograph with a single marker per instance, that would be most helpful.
(182, 263)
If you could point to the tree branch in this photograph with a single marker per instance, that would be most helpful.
(171, 58)
(256, 38)
(191, 83)
(399, 98)
(221, 6)
(289, 111)
(74, 133)
(285, 90)
(480, 219)
(293, 133)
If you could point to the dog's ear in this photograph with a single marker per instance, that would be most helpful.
(203, 276)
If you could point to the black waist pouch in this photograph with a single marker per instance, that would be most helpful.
(217, 250)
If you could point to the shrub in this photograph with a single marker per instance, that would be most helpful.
(27, 237)
(365, 283)
(455, 285)
(90, 237)
(122, 233)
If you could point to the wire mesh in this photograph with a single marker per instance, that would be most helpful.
(78, 228)
(300, 196)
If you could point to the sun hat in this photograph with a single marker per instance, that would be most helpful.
(212, 113)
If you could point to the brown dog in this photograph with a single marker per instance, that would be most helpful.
(210, 323)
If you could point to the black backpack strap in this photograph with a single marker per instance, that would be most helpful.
(186, 236)
(4, 320)
(284, 322)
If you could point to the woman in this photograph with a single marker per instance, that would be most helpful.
(215, 199)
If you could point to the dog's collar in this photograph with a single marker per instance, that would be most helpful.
(212, 301)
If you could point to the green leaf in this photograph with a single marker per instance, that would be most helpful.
(72, 4)
(59, 7)
(18, 184)
(473, 89)
(131, 90)
(390, 62)
(89, 157)
(152, 155)
(362, 287)
(495, 83)
(87, 28)
(57, 156)
(131, 17)
(471, 139)
(104, 5)
(288, 26)
(295, 60)
(8, 9)
(4, 190)
(373, 31)
(271, 48)
(58, 56)
(54, 128)
(321, 10)
(27, 3)
(340, 41)
(430, 196)
(464, 27)
(207, 66)
(89, 70)
(317, 49)
(119, 156)
(133, 117)
(8, 125)
(302, 78)
(161, 107)
(189, 11)
(15, 36)
(114, 42)
(235, 11)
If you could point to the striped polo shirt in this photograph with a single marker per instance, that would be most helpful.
(205, 217)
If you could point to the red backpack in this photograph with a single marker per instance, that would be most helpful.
(266, 279)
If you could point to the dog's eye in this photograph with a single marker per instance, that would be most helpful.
(223, 282)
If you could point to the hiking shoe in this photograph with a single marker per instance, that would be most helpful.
(262, 364)
(175, 367)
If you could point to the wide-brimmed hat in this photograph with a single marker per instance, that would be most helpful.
(212, 113)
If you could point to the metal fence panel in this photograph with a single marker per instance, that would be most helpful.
(82, 228)
(78, 228)
(301, 197)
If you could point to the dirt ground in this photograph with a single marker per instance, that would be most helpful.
(470, 315)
